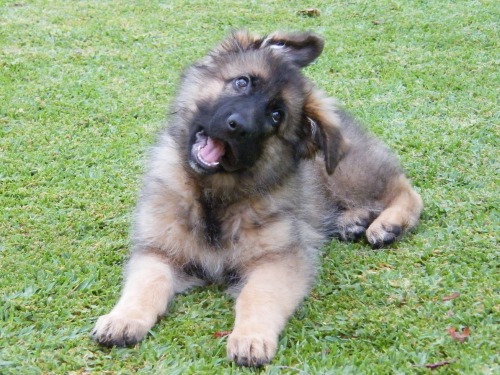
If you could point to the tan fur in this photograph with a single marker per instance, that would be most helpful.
(264, 305)
(149, 287)
(259, 228)
(402, 208)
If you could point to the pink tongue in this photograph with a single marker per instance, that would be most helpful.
(212, 152)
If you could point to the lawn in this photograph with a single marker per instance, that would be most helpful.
(84, 88)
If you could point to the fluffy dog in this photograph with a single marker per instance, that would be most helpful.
(256, 170)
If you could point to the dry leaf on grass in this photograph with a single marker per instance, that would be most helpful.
(459, 336)
(433, 366)
(451, 296)
(310, 12)
(222, 334)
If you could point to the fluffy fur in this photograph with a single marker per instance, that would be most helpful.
(256, 170)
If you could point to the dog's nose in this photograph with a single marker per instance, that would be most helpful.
(237, 124)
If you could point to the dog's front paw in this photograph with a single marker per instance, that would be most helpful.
(380, 235)
(251, 348)
(119, 329)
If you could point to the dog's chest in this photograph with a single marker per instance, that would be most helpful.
(223, 226)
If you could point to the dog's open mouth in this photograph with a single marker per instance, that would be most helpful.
(207, 152)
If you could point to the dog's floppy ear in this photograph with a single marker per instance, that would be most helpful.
(300, 48)
(321, 130)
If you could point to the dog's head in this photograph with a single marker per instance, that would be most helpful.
(246, 105)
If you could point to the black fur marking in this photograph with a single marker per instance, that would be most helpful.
(194, 269)
(228, 277)
(212, 223)
(231, 277)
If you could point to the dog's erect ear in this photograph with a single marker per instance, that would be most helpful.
(300, 48)
(321, 131)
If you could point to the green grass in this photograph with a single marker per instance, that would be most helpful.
(84, 87)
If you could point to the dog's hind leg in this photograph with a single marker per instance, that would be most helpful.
(402, 208)
(148, 288)
(351, 224)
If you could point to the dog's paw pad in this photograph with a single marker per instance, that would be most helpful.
(252, 350)
(119, 330)
(383, 235)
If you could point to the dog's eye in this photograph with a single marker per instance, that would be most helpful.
(276, 117)
(241, 83)
(278, 44)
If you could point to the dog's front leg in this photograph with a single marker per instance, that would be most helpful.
(272, 292)
(149, 286)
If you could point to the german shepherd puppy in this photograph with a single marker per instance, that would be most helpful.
(255, 172)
